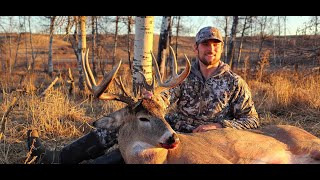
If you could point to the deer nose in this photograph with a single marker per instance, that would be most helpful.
(173, 139)
(172, 142)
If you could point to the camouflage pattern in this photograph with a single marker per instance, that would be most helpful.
(224, 98)
(207, 33)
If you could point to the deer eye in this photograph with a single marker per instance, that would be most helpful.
(144, 119)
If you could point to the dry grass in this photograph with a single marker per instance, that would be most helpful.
(59, 117)
(286, 98)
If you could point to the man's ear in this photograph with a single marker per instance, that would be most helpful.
(195, 47)
(222, 47)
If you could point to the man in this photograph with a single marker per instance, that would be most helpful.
(211, 97)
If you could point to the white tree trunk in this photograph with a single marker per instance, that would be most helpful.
(94, 45)
(130, 22)
(82, 46)
(143, 44)
(115, 41)
(163, 43)
(50, 64)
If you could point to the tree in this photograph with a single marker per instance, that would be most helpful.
(51, 31)
(79, 45)
(177, 32)
(246, 26)
(226, 38)
(233, 39)
(94, 46)
(20, 26)
(6, 47)
(130, 22)
(163, 43)
(115, 41)
(262, 23)
(33, 54)
(143, 45)
(82, 49)
(26, 41)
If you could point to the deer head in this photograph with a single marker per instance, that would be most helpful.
(142, 122)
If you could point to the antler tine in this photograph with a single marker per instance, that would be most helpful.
(145, 83)
(107, 79)
(85, 65)
(98, 90)
(120, 83)
(176, 79)
(158, 75)
(174, 63)
(125, 97)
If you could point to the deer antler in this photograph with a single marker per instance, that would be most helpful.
(99, 90)
(176, 79)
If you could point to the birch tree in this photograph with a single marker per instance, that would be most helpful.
(82, 49)
(115, 40)
(130, 22)
(226, 39)
(94, 46)
(232, 40)
(285, 36)
(51, 32)
(163, 43)
(26, 41)
(143, 45)
(79, 45)
(178, 18)
(33, 55)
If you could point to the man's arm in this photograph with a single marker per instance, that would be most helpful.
(243, 109)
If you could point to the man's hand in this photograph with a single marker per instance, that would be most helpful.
(207, 127)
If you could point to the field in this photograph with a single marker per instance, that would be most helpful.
(286, 93)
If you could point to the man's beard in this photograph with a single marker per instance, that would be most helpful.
(207, 63)
(203, 60)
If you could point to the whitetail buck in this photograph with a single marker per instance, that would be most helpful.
(146, 137)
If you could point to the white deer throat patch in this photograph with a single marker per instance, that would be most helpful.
(147, 153)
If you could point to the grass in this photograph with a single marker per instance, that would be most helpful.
(287, 98)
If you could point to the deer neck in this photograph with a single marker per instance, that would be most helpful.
(142, 153)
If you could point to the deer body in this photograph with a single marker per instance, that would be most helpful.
(230, 146)
(146, 137)
(224, 146)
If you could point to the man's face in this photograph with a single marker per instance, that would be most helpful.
(209, 52)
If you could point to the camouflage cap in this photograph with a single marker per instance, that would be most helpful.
(208, 33)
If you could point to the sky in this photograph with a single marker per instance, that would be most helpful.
(193, 23)
(293, 22)
(197, 22)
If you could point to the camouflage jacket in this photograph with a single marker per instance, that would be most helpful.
(224, 98)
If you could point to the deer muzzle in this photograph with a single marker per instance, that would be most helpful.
(172, 142)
